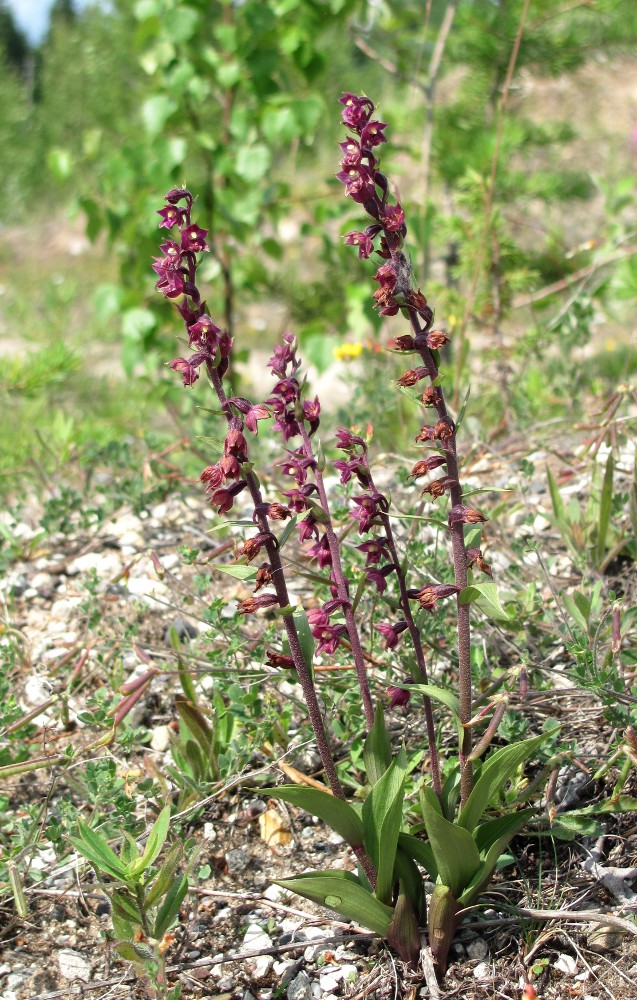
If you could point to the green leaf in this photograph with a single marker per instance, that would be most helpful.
(382, 819)
(338, 814)
(287, 531)
(253, 162)
(421, 852)
(443, 695)
(494, 775)
(377, 748)
(605, 507)
(91, 846)
(455, 851)
(238, 571)
(306, 638)
(556, 499)
(196, 724)
(164, 877)
(154, 844)
(156, 111)
(493, 838)
(486, 596)
(408, 875)
(343, 892)
(170, 907)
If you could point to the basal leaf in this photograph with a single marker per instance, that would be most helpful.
(493, 838)
(421, 852)
(338, 815)
(342, 891)
(454, 849)
(382, 819)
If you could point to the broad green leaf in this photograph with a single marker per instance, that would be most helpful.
(493, 839)
(343, 892)
(494, 830)
(377, 748)
(156, 110)
(605, 507)
(124, 929)
(443, 695)
(238, 571)
(486, 596)
(91, 846)
(382, 819)
(154, 844)
(338, 815)
(622, 804)
(455, 851)
(421, 852)
(253, 162)
(170, 907)
(494, 775)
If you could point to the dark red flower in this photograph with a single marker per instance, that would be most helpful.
(321, 552)
(427, 465)
(193, 238)
(357, 111)
(375, 550)
(170, 216)
(399, 697)
(391, 633)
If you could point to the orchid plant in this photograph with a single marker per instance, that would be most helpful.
(465, 827)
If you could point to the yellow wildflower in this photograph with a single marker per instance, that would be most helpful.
(346, 352)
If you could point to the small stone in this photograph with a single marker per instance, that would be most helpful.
(262, 967)
(225, 983)
(238, 860)
(300, 988)
(160, 740)
(74, 965)
(255, 939)
(603, 938)
(482, 971)
(566, 964)
(329, 980)
(477, 950)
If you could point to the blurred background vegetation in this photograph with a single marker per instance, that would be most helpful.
(513, 144)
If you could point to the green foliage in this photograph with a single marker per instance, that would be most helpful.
(145, 898)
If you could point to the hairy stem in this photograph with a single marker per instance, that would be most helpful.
(342, 587)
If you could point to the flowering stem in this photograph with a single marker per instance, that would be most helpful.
(420, 669)
(459, 553)
(279, 584)
(342, 588)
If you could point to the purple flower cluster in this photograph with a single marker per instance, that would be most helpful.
(176, 272)
(365, 184)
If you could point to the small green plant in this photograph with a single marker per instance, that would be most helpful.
(145, 897)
